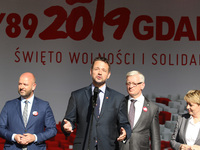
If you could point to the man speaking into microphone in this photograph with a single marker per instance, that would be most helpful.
(100, 113)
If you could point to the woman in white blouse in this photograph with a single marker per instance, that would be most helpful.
(186, 135)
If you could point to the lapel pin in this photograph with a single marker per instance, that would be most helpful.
(145, 109)
(35, 113)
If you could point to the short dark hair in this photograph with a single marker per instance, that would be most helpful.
(101, 59)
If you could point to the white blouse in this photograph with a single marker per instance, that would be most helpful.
(192, 131)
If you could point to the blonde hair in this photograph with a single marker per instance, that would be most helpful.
(193, 96)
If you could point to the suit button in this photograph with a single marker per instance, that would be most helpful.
(25, 131)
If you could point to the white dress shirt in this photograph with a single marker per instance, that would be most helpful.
(30, 103)
(138, 107)
(192, 131)
(101, 95)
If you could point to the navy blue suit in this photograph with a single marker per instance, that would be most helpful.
(106, 128)
(43, 124)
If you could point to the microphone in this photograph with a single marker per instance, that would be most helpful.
(96, 92)
(94, 101)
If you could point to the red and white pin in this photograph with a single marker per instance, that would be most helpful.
(145, 109)
(35, 113)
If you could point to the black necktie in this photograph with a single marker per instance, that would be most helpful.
(131, 114)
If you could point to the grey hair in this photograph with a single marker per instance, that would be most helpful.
(135, 72)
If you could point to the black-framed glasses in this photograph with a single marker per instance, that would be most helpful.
(134, 84)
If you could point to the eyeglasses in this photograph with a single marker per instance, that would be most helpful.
(134, 84)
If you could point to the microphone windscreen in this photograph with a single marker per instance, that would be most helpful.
(96, 90)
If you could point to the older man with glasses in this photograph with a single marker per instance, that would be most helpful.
(143, 116)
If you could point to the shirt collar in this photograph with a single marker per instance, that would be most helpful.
(191, 120)
(139, 99)
(30, 100)
(103, 88)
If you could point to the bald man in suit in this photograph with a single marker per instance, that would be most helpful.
(27, 132)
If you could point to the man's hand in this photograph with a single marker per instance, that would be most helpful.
(24, 139)
(122, 135)
(18, 138)
(28, 138)
(67, 126)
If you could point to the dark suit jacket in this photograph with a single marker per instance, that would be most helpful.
(178, 137)
(106, 128)
(11, 121)
(146, 127)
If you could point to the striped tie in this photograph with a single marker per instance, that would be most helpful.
(25, 113)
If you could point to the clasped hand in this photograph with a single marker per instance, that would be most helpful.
(24, 139)
(188, 147)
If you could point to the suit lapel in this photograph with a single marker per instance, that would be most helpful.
(184, 128)
(198, 139)
(143, 113)
(88, 92)
(89, 99)
(35, 107)
(18, 108)
(127, 98)
(105, 101)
